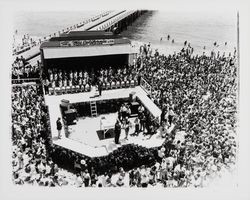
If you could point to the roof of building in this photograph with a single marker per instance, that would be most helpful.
(87, 35)
(85, 38)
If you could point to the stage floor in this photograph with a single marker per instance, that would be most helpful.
(87, 131)
(83, 137)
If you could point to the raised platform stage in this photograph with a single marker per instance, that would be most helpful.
(100, 147)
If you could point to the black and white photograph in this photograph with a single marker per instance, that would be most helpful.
(130, 98)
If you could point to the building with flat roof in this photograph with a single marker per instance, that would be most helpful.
(87, 49)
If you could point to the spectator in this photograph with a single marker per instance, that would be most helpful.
(59, 127)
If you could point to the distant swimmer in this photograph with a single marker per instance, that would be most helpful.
(215, 43)
(168, 37)
(185, 43)
(172, 40)
(225, 43)
(204, 47)
(161, 39)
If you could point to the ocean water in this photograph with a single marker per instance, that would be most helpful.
(198, 28)
(40, 24)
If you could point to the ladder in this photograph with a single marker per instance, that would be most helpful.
(93, 108)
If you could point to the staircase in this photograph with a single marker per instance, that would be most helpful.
(93, 108)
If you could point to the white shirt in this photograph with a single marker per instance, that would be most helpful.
(41, 167)
(144, 176)
(79, 181)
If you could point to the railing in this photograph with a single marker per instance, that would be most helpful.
(99, 25)
(28, 81)
(114, 20)
(56, 34)
(146, 86)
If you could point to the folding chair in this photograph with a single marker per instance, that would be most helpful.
(123, 84)
(63, 89)
(82, 88)
(68, 89)
(58, 90)
(73, 89)
(108, 86)
(132, 83)
(87, 88)
(77, 88)
(51, 91)
(118, 85)
(127, 83)
(104, 86)
(113, 85)
(136, 82)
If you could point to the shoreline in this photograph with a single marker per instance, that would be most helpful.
(170, 49)
(166, 47)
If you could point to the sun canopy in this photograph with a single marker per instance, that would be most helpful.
(69, 52)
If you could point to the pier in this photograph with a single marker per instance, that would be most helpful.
(119, 22)
(115, 21)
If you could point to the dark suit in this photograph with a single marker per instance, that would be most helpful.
(100, 88)
(117, 132)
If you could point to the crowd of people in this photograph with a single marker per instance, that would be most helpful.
(22, 69)
(115, 78)
(82, 80)
(144, 123)
(31, 163)
(36, 162)
(25, 43)
(57, 78)
(197, 93)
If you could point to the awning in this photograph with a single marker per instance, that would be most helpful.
(67, 52)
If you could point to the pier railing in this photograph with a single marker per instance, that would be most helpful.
(24, 48)
(113, 21)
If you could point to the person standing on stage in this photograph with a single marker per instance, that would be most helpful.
(117, 132)
(126, 126)
(123, 111)
(100, 87)
(140, 111)
(59, 127)
(142, 122)
(128, 111)
(137, 126)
